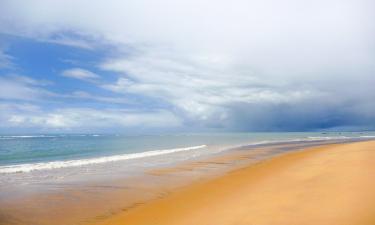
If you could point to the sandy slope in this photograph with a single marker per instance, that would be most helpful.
(326, 185)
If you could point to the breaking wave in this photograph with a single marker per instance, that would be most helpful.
(23, 168)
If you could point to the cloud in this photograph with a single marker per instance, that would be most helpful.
(5, 60)
(201, 88)
(88, 96)
(81, 74)
(15, 87)
(29, 116)
(72, 42)
(251, 65)
(24, 88)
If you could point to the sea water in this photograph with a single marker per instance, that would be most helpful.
(28, 153)
(31, 164)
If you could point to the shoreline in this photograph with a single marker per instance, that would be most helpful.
(331, 184)
(99, 204)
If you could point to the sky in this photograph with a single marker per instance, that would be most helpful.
(139, 66)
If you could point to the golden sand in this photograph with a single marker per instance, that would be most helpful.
(327, 185)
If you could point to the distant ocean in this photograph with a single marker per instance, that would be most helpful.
(28, 153)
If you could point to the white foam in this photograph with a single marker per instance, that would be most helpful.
(367, 136)
(329, 137)
(26, 136)
(23, 168)
(339, 137)
(305, 139)
(48, 136)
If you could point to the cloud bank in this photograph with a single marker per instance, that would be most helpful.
(239, 65)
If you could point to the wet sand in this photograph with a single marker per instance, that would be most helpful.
(326, 185)
(75, 203)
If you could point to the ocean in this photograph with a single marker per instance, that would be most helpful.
(28, 153)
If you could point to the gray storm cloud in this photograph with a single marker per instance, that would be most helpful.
(248, 65)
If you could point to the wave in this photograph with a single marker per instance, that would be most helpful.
(307, 139)
(6, 137)
(25, 136)
(22, 168)
(340, 137)
(329, 138)
(367, 136)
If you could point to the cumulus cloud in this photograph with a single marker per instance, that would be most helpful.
(81, 74)
(255, 65)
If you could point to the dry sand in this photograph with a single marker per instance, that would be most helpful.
(327, 185)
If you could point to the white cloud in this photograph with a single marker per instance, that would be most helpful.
(81, 74)
(88, 96)
(17, 87)
(73, 42)
(84, 118)
(200, 88)
(5, 60)
(213, 60)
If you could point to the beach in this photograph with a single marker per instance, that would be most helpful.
(330, 184)
(303, 182)
(187, 112)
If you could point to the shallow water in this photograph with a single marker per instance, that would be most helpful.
(34, 150)
(26, 159)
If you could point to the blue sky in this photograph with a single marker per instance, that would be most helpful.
(54, 79)
(192, 66)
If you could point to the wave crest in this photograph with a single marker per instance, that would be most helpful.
(22, 168)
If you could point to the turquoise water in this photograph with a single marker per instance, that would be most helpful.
(25, 153)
